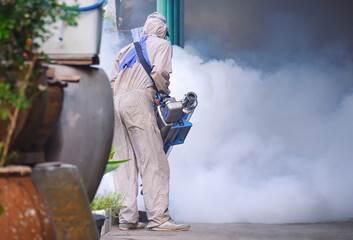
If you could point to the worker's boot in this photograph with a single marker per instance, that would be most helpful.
(171, 225)
(131, 226)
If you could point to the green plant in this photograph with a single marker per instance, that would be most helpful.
(112, 165)
(23, 28)
(110, 202)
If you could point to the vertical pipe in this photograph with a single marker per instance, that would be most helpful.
(162, 7)
(117, 12)
(170, 20)
(181, 23)
(176, 22)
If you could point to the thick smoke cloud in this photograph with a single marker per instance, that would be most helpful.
(264, 147)
(272, 135)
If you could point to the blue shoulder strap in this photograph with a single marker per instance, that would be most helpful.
(131, 58)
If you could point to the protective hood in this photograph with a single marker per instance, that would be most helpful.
(156, 24)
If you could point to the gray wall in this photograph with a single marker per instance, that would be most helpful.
(269, 33)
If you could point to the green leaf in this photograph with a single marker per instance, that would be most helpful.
(111, 167)
(1, 209)
(3, 115)
(120, 161)
(113, 150)
(111, 154)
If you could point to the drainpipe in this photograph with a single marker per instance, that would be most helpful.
(162, 7)
(170, 20)
(173, 11)
(181, 23)
(117, 12)
(176, 21)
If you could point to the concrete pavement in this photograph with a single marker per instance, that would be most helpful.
(243, 231)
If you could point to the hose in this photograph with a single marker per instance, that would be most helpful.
(89, 8)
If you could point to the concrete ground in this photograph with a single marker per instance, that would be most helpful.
(243, 231)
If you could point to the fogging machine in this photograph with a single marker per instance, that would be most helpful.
(173, 119)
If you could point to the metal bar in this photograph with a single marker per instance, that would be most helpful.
(170, 20)
(176, 22)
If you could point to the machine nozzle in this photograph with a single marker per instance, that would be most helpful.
(190, 100)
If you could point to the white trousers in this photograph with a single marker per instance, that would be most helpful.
(136, 128)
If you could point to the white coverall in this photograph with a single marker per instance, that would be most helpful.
(136, 127)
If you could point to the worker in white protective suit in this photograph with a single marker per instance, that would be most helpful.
(136, 128)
